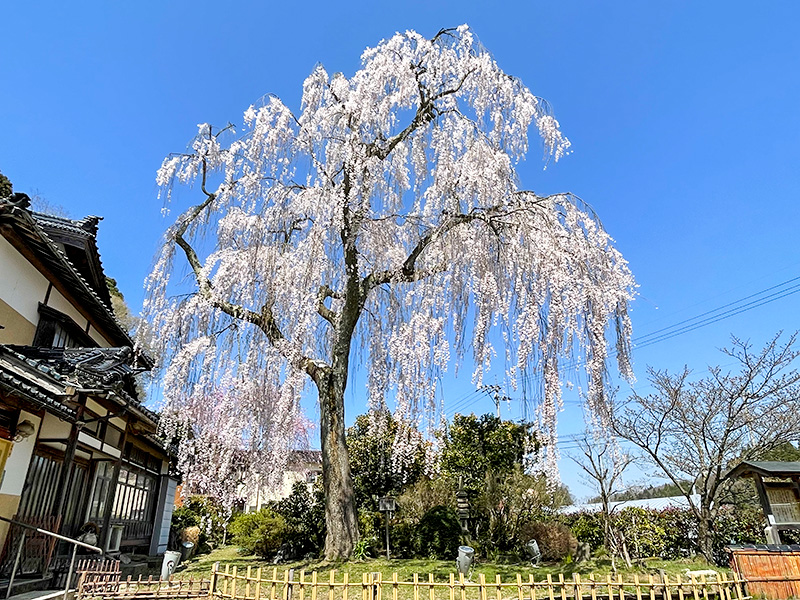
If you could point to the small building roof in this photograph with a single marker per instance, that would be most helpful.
(43, 374)
(765, 468)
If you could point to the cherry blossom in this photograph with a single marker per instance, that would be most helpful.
(384, 223)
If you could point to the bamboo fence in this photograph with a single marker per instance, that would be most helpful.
(769, 574)
(106, 587)
(270, 584)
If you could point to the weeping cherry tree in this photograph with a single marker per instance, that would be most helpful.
(383, 222)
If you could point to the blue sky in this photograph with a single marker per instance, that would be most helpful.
(684, 119)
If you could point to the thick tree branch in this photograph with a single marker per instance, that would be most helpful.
(408, 271)
(326, 313)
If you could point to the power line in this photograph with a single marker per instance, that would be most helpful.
(709, 312)
(721, 316)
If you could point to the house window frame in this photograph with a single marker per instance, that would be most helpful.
(58, 330)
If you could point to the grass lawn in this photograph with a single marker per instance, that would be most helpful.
(201, 566)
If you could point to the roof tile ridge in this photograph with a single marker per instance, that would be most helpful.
(37, 363)
(75, 271)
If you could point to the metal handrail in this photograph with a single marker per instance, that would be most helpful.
(75, 543)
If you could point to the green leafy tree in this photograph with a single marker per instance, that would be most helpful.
(303, 513)
(6, 189)
(477, 446)
(375, 465)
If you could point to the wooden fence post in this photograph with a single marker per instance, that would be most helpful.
(213, 583)
(375, 585)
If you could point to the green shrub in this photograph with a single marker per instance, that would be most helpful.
(642, 530)
(680, 533)
(423, 495)
(742, 525)
(439, 533)
(261, 532)
(671, 533)
(202, 512)
(403, 539)
(370, 543)
(304, 517)
(587, 527)
(555, 540)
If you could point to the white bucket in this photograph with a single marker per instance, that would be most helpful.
(171, 560)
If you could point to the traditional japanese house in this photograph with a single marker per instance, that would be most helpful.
(76, 444)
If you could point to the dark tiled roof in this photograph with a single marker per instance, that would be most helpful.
(766, 468)
(299, 457)
(764, 547)
(109, 369)
(33, 379)
(17, 219)
(79, 238)
(85, 228)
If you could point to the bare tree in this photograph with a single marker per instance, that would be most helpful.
(603, 463)
(695, 430)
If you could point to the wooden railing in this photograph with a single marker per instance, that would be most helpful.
(259, 584)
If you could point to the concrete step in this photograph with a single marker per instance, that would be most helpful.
(43, 595)
(24, 584)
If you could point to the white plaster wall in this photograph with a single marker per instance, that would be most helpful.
(17, 464)
(63, 305)
(54, 428)
(95, 335)
(22, 287)
(166, 515)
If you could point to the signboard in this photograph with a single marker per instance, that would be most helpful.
(784, 503)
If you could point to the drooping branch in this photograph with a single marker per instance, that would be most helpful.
(426, 112)
(264, 319)
(408, 271)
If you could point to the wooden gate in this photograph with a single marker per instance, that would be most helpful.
(98, 576)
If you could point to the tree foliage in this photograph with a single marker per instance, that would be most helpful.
(474, 447)
(506, 506)
(381, 463)
(672, 533)
(6, 188)
(697, 430)
(261, 532)
(385, 215)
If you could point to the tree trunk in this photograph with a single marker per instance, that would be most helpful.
(341, 517)
(705, 535)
